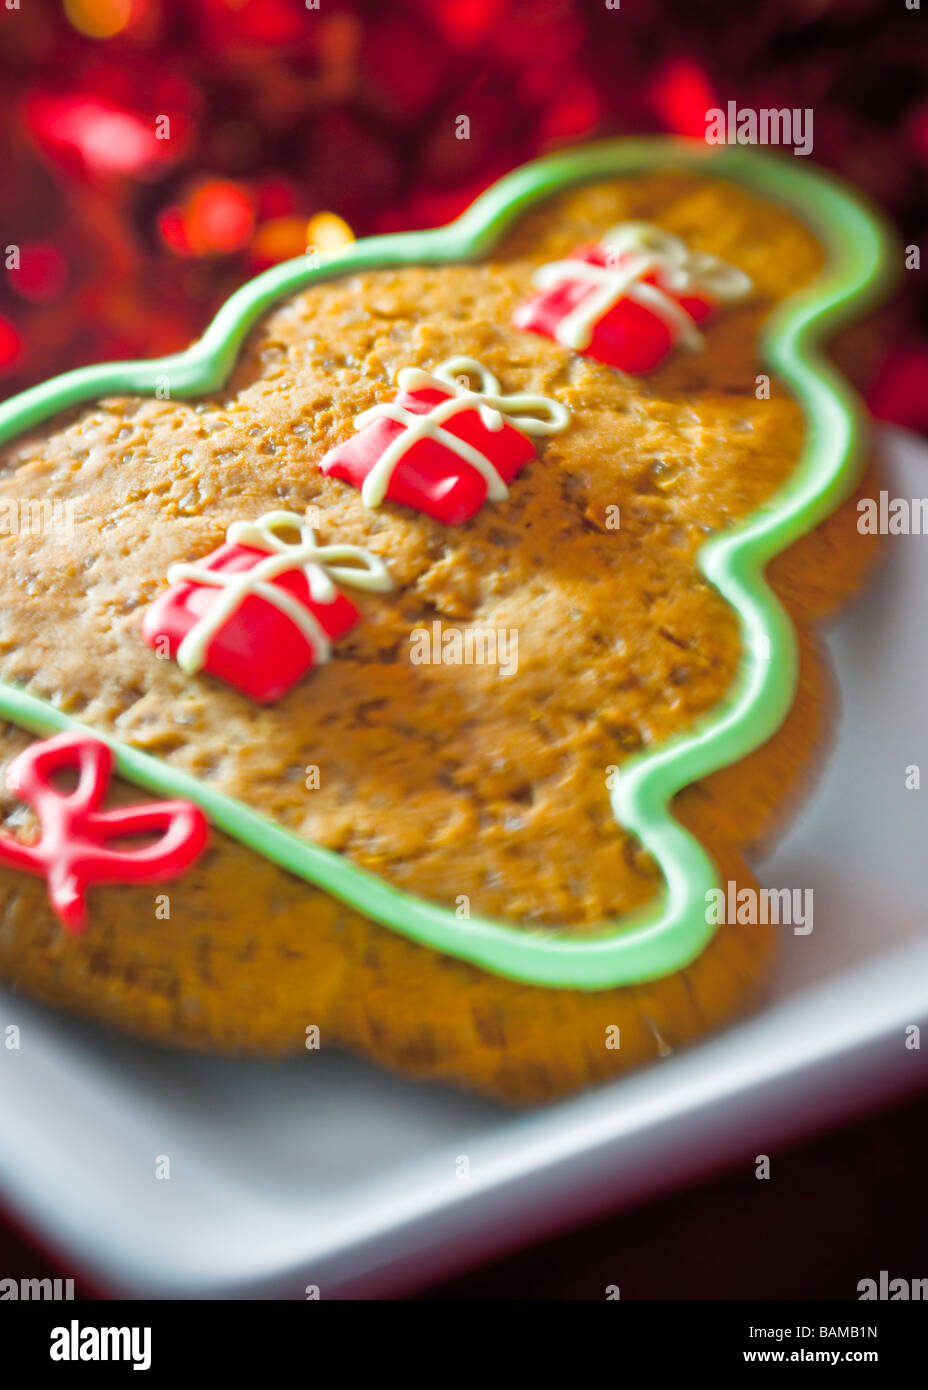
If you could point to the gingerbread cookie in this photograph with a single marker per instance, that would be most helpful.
(433, 578)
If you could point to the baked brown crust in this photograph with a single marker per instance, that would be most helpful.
(447, 780)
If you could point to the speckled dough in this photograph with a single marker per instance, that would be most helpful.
(447, 780)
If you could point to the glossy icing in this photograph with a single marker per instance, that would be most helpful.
(73, 850)
(322, 565)
(444, 446)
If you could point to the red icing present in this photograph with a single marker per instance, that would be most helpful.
(260, 611)
(76, 846)
(630, 299)
(442, 447)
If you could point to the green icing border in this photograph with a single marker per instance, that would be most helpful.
(673, 930)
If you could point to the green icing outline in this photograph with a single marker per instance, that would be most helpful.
(668, 933)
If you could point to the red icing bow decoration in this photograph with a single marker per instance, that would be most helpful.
(261, 610)
(631, 298)
(73, 851)
(441, 446)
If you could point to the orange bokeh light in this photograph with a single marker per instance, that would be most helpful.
(98, 19)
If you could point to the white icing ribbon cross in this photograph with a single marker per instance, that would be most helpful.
(649, 250)
(321, 564)
(530, 414)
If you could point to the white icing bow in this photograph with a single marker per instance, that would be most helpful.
(647, 249)
(319, 563)
(495, 409)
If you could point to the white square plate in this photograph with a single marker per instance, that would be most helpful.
(324, 1171)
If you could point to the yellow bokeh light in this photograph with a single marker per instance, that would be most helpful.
(98, 19)
(327, 232)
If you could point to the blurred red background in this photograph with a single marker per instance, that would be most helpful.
(128, 241)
